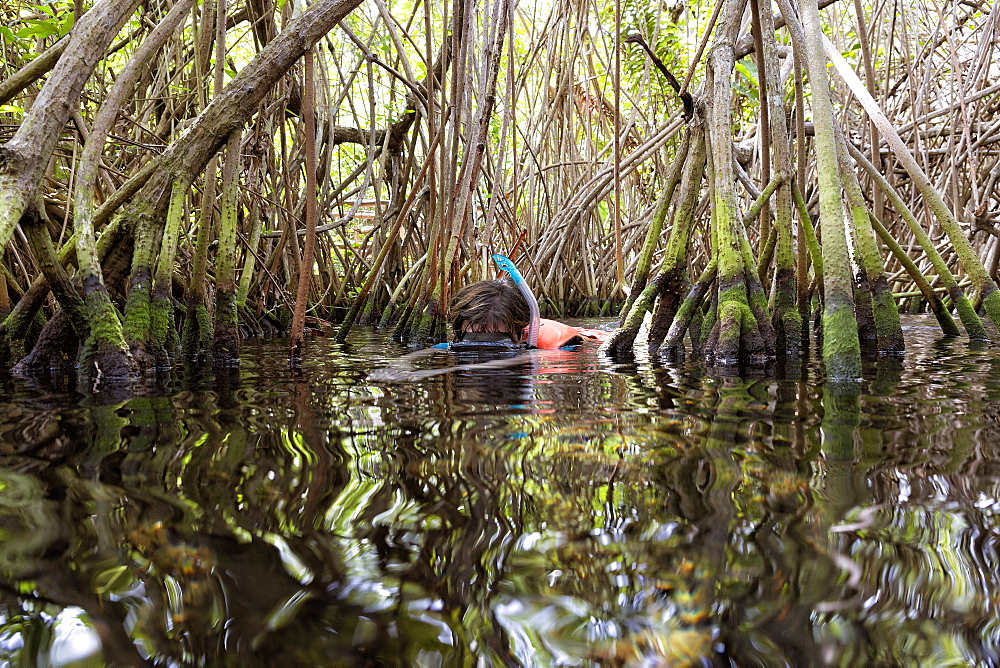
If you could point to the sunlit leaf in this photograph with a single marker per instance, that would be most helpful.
(38, 29)
(67, 23)
(112, 580)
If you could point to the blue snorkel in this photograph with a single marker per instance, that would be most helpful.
(504, 264)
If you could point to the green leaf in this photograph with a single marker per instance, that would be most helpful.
(10, 109)
(66, 24)
(39, 29)
(748, 72)
(115, 579)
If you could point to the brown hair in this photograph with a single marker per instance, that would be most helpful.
(490, 306)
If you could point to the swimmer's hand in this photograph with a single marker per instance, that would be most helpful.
(401, 370)
(389, 375)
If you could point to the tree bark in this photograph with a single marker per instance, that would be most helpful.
(24, 158)
(226, 341)
(737, 332)
(187, 156)
(105, 347)
(306, 266)
(963, 305)
(676, 255)
(973, 265)
(885, 315)
(31, 72)
(785, 316)
(841, 347)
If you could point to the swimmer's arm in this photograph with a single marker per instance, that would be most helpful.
(402, 371)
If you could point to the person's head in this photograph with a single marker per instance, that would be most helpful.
(490, 306)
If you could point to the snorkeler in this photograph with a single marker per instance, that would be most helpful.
(496, 312)
(492, 317)
(491, 312)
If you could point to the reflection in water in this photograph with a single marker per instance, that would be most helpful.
(551, 511)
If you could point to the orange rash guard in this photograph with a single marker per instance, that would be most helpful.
(552, 334)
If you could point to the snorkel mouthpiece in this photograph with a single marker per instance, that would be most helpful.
(504, 263)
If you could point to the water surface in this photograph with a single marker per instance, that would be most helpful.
(562, 511)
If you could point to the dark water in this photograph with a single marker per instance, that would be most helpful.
(562, 511)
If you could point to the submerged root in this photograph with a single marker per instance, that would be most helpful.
(689, 316)
(788, 335)
(107, 369)
(105, 353)
(196, 333)
(672, 286)
(863, 313)
(56, 348)
(667, 287)
(736, 337)
(423, 326)
(226, 338)
(226, 345)
(619, 344)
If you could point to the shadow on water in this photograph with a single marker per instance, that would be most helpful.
(553, 511)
